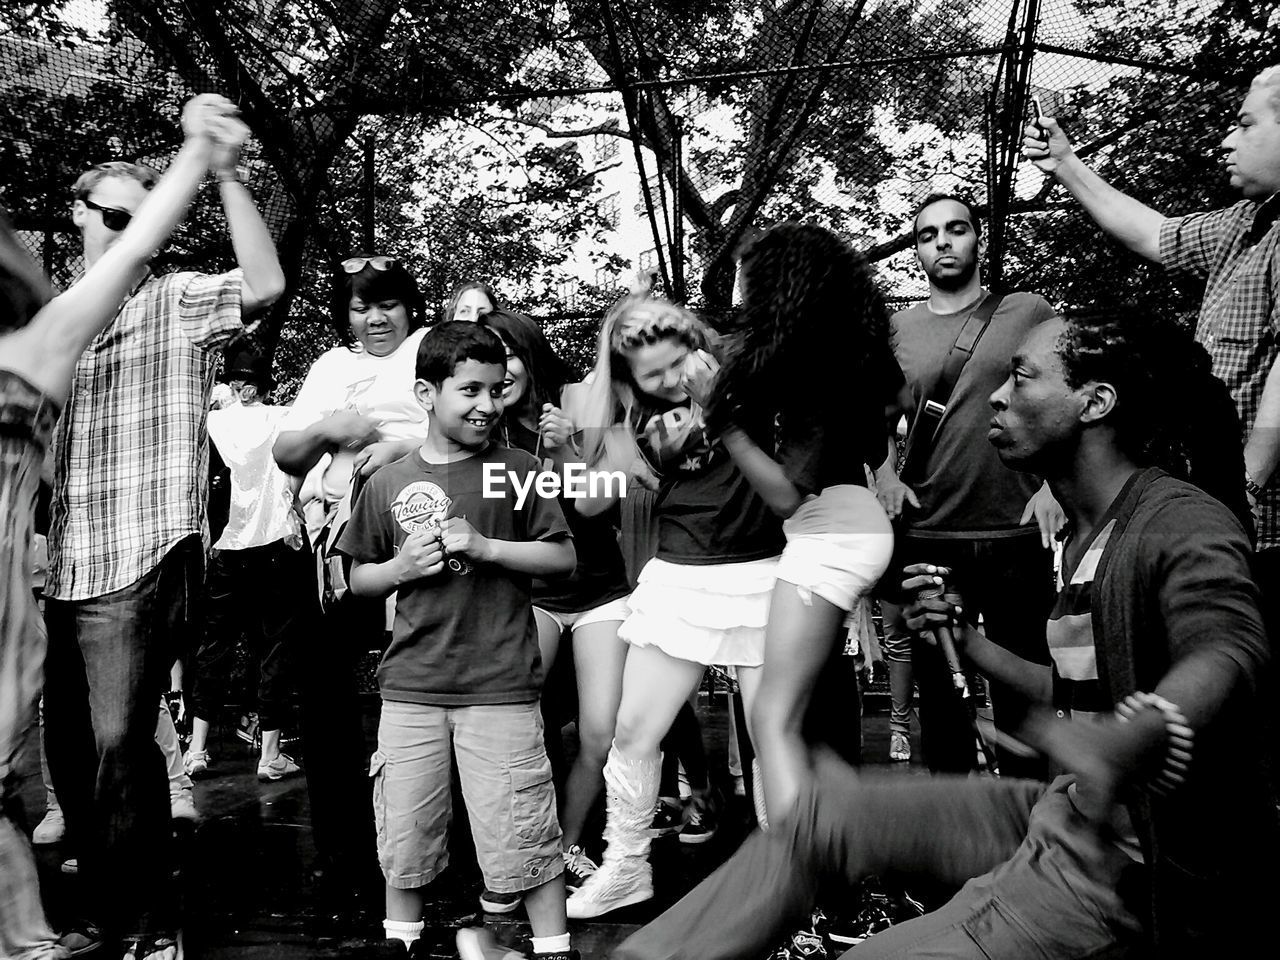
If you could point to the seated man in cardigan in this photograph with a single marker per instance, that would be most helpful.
(1160, 836)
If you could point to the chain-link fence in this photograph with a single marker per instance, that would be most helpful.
(556, 148)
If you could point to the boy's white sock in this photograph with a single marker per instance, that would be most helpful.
(558, 944)
(403, 930)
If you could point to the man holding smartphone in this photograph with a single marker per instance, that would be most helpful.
(1232, 250)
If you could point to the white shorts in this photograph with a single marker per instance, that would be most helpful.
(704, 613)
(610, 610)
(839, 544)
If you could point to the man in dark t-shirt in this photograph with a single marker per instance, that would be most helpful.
(959, 504)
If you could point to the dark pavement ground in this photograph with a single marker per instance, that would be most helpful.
(245, 874)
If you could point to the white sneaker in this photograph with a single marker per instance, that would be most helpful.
(617, 884)
(279, 768)
(51, 829)
(182, 805)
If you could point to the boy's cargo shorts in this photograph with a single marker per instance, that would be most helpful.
(506, 784)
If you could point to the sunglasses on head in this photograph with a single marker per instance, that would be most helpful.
(113, 218)
(356, 264)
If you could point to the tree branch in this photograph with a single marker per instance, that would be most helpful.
(611, 128)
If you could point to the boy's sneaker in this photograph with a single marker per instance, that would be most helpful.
(616, 884)
(477, 943)
(279, 768)
(668, 817)
(700, 821)
(899, 746)
(196, 763)
(51, 829)
(491, 902)
(578, 867)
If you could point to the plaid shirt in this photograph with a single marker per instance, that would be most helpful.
(131, 449)
(1240, 315)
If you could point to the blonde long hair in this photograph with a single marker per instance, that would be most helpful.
(637, 320)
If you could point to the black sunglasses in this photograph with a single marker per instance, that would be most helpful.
(113, 218)
(356, 264)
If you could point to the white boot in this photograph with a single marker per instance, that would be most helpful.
(624, 877)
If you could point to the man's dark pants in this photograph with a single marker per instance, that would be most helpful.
(1009, 581)
(335, 755)
(1035, 879)
(108, 664)
(269, 591)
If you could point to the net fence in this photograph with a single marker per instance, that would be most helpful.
(554, 149)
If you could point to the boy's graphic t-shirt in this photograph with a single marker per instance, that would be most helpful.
(465, 636)
(707, 511)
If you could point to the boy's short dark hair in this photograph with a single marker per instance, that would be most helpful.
(960, 198)
(448, 344)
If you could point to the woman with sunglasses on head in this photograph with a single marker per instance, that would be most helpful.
(470, 301)
(354, 413)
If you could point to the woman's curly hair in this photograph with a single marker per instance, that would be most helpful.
(1171, 411)
(812, 320)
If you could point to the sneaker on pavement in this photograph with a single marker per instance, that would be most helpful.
(878, 910)
(802, 945)
(71, 866)
(51, 829)
(615, 885)
(196, 763)
(477, 943)
(80, 941)
(899, 746)
(279, 768)
(491, 902)
(668, 817)
(182, 805)
(578, 867)
(700, 821)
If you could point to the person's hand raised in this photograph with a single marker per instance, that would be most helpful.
(1045, 145)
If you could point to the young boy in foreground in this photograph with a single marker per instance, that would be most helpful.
(462, 671)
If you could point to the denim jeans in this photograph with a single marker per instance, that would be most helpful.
(108, 664)
(1009, 581)
(24, 932)
(1036, 881)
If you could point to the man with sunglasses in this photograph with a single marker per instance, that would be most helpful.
(125, 549)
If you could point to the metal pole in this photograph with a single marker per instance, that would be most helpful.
(370, 197)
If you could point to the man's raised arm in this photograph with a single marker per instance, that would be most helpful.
(1130, 221)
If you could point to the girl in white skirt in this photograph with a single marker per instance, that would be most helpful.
(810, 391)
(704, 598)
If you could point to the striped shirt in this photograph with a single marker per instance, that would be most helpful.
(1239, 317)
(1077, 691)
(131, 451)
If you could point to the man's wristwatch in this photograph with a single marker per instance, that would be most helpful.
(239, 174)
(1251, 486)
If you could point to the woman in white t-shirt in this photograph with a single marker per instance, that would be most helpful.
(355, 412)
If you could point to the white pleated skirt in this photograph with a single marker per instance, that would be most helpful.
(705, 613)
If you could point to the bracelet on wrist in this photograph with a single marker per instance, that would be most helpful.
(1251, 486)
(1179, 739)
